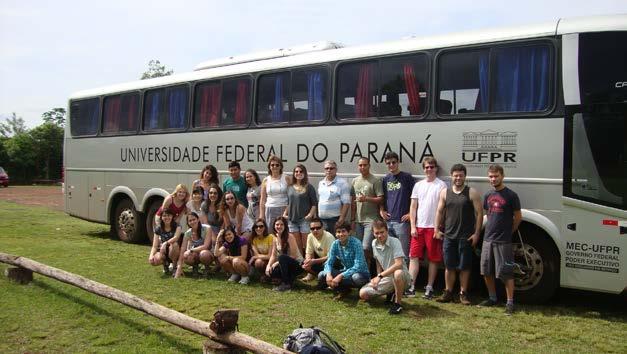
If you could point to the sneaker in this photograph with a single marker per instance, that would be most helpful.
(463, 298)
(309, 277)
(509, 309)
(233, 278)
(166, 268)
(244, 280)
(428, 294)
(390, 297)
(447, 296)
(487, 303)
(282, 287)
(409, 293)
(395, 309)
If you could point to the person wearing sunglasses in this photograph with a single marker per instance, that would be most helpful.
(318, 243)
(261, 242)
(302, 204)
(273, 199)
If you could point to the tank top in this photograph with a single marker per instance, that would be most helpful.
(247, 223)
(459, 220)
(276, 190)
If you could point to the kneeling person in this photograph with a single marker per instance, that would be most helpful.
(352, 272)
(197, 246)
(318, 244)
(232, 254)
(393, 274)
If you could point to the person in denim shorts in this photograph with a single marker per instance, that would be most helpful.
(461, 213)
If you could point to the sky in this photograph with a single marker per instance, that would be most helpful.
(50, 49)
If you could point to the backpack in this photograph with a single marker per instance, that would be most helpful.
(312, 340)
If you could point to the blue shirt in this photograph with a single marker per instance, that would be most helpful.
(351, 256)
(331, 196)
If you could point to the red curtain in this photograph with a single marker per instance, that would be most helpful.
(112, 114)
(241, 105)
(412, 89)
(363, 97)
(209, 105)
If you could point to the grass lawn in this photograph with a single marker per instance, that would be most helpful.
(49, 316)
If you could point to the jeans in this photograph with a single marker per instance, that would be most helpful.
(363, 231)
(287, 270)
(329, 224)
(400, 230)
(357, 280)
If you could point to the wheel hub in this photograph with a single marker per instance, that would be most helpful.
(531, 263)
(126, 221)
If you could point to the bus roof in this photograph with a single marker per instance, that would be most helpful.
(558, 27)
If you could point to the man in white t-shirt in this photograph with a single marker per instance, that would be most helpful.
(423, 207)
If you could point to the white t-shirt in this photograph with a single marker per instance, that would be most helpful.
(427, 194)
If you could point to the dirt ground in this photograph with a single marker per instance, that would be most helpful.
(47, 196)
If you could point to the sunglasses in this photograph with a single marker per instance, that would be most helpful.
(315, 228)
(229, 198)
(259, 226)
(329, 168)
(275, 165)
(429, 167)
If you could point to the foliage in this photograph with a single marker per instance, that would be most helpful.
(48, 139)
(49, 316)
(55, 116)
(12, 126)
(155, 69)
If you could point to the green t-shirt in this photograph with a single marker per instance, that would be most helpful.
(238, 187)
(370, 187)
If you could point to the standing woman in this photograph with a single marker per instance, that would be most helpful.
(197, 246)
(253, 194)
(261, 244)
(211, 208)
(302, 204)
(232, 254)
(286, 260)
(195, 204)
(208, 176)
(176, 203)
(273, 191)
(234, 214)
(165, 246)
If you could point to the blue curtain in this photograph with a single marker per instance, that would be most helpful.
(177, 107)
(484, 84)
(277, 110)
(152, 109)
(521, 79)
(93, 117)
(315, 103)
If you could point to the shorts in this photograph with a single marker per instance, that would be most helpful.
(497, 259)
(301, 226)
(457, 253)
(271, 214)
(424, 240)
(385, 286)
(363, 231)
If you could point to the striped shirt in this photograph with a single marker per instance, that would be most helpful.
(331, 196)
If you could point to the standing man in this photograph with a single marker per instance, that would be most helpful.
(459, 211)
(397, 187)
(424, 203)
(334, 197)
(235, 183)
(318, 244)
(504, 216)
(367, 195)
(392, 271)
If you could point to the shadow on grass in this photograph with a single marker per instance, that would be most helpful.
(100, 234)
(174, 342)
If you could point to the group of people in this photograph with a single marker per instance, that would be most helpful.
(281, 227)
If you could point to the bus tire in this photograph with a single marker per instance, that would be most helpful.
(541, 278)
(150, 218)
(128, 223)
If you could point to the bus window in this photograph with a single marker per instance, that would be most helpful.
(463, 82)
(403, 86)
(166, 108)
(235, 101)
(309, 95)
(120, 113)
(207, 104)
(272, 103)
(84, 116)
(356, 95)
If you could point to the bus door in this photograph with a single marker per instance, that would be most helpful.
(594, 227)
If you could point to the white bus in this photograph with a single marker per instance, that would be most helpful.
(548, 102)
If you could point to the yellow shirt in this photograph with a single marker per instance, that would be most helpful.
(319, 248)
(264, 245)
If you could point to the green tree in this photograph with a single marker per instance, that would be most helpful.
(155, 69)
(21, 152)
(55, 116)
(12, 126)
(48, 147)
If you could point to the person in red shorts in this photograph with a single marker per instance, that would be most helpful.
(424, 203)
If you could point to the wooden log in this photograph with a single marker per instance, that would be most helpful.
(19, 275)
(236, 339)
(214, 347)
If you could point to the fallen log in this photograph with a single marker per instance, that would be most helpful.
(186, 322)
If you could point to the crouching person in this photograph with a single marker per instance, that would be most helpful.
(393, 276)
(232, 254)
(318, 244)
(197, 246)
(165, 245)
(346, 266)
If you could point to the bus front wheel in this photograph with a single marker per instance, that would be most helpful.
(538, 259)
(128, 222)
